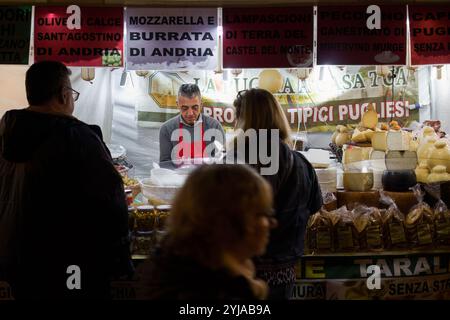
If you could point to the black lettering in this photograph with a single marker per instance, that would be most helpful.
(134, 21)
(135, 36)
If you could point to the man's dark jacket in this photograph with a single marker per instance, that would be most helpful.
(61, 204)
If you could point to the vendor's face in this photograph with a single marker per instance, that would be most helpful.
(190, 108)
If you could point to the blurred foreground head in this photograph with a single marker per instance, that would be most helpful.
(221, 209)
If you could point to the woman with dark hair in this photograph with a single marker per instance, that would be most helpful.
(220, 219)
(294, 183)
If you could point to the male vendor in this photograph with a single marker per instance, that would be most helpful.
(187, 135)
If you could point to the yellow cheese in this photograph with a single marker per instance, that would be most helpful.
(368, 133)
(438, 174)
(370, 118)
(358, 136)
(378, 160)
(413, 145)
(391, 140)
(356, 154)
(379, 140)
(422, 172)
(358, 181)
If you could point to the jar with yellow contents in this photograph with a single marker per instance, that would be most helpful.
(144, 230)
(162, 212)
(145, 218)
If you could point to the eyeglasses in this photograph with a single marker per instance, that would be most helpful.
(75, 94)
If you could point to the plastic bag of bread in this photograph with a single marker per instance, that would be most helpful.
(394, 236)
(367, 228)
(319, 233)
(342, 224)
(419, 222)
(442, 224)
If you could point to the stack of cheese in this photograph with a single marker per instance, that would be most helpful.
(364, 132)
(434, 158)
(358, 173)
(392, 140)
(357, 167)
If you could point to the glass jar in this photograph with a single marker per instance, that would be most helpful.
(163, 212)
(129, 196)
(142, 242)
(145, 218)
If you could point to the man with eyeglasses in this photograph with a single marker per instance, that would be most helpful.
(189, 134)
(62, 206)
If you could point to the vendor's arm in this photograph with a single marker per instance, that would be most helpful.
(165, 145)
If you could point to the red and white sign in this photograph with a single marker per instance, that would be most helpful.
(430, 34)
(268, 37)
(343, 37)
(99, 42)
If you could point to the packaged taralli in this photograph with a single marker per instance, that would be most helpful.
(319, 233)
(419, 222)
(342, 222)
(367, 228)
(394, 235)
(441, 224)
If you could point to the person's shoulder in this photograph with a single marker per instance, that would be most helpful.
(78, 130)
(171, 123)
(210, 121)
(174, 120)
(302, 158)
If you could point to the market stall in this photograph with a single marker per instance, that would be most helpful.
(360, 103)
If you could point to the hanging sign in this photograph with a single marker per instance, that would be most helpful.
(268, 37)
(87, 36)
(15, 26)
(171, 38)
(430, 34)
(344, 37)
(314, 104)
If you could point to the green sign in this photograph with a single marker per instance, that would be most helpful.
(15, 29)
(407, 264)
(404, 275)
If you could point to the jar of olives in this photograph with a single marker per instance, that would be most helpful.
(142, 242)
(162, 213)
(145, 218)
